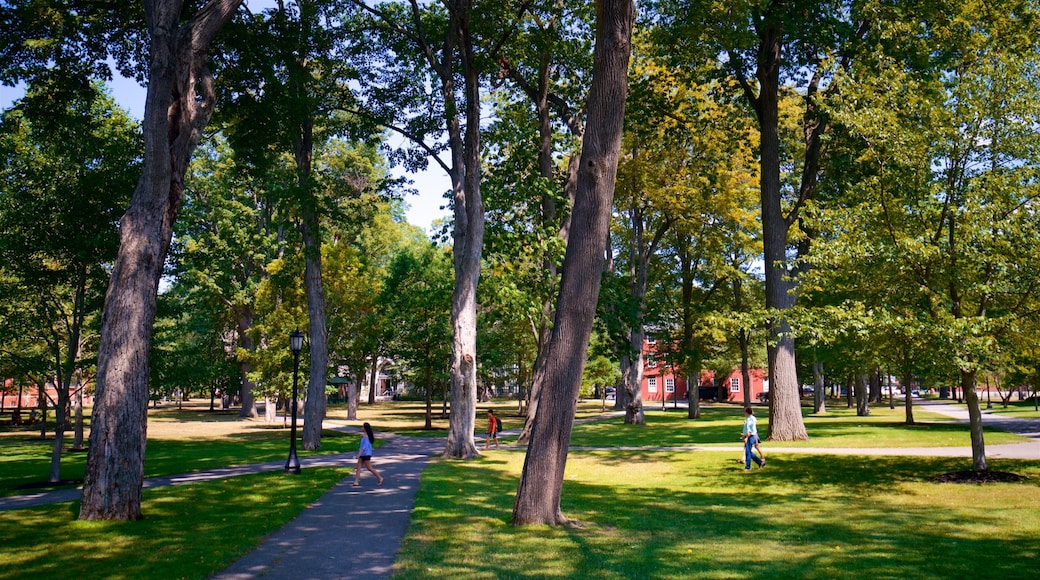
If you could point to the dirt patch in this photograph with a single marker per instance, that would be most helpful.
(986, 476)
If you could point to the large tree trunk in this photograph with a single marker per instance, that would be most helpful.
(541, 482)
(178, 104)
(785, 417)
(971, 397)
(310, 230)
(469, 244)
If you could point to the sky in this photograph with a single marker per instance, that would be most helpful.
(423, 208)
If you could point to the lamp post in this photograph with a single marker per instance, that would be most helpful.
(292, 464)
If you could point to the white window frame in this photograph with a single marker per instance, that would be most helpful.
(669, 385)
(651, 361)
(650, 339)
(651, 385)
(734, 385)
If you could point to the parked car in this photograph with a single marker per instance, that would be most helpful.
(763, 397)
(610, 392)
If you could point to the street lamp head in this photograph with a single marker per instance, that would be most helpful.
(296, 341)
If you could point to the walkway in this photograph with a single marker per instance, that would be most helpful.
(351, 532)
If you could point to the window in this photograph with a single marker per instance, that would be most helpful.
(650, 339)
(734, 385)
(651, 361)
(669, 385)
(651, 384)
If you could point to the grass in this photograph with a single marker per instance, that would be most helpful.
(645, 514)
(1025, 409)
(696, 514)
(189, 531)
(178, 442)
(720, 425)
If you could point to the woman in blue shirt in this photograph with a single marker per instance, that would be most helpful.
(365, 456)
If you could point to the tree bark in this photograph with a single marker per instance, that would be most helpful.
(372, 379)
(908, 400)
(541, 482)
(978, 444)
(245, 322)
(469, 243)
(862, 395)
(634, 380)
(178, 104)
(819, 393)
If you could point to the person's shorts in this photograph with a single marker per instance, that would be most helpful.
(366, 458)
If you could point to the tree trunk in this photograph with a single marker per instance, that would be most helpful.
(541, 482)
(862, 395)
(908, 376)
(353, 394)
(978, 445)
(695, 402)
(429, 395)
(819, 394)
(245, 322)
(77, 438)
(785, 416)
(372, 387)
(178, 104)
(634, 381)
(468, 246)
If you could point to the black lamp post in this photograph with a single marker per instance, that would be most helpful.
(292, 465)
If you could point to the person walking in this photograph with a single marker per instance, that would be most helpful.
(364, 458)
(492, 430)
(750, 436)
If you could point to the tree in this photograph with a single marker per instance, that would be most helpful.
(541, 482)
(529, 197)
(68, 155)
(768, 47)
(231, 228)
(417, 298)
(178, 104)
(443, 44)
(948, 208)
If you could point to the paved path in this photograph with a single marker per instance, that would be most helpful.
(351, 532)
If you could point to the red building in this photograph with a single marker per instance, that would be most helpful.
(26, 397)
(662, 380)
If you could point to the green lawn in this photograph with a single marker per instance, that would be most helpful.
(189, 531)
(221, 440)
(840, 427)
(643, 514)
(698, 515)
(1024, 409)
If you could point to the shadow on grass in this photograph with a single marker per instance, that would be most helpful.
(801, 517)
(27, 463)
(189, 531)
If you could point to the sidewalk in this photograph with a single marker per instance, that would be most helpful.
(351, 532)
